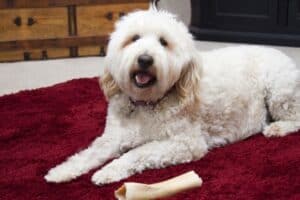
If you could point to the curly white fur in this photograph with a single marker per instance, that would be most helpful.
(204, 100)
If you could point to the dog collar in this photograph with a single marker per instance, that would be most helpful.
(144, 103)
(148, 103)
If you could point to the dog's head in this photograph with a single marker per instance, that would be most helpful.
(150, 53)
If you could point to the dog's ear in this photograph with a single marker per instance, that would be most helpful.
(188, 85)
(108, 85)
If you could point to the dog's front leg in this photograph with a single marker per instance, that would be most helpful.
(102, 149)
(108, 146)
(156, 154)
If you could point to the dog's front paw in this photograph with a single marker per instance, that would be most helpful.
(109, 175)
(60, 174)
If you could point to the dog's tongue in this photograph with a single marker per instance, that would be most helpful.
(143, 78)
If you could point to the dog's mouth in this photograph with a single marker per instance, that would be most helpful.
(143, 79)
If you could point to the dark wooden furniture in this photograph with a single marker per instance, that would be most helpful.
(259, 21)
(45, 29)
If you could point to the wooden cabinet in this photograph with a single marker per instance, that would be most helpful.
(100, 19)
(256, 21)
(41, 23)
(46, 29)
(91, 50)
(34, 54)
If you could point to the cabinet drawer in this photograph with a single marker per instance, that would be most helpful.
(37, 23)
(99, 20)
(34, 54)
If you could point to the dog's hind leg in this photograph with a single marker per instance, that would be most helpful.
(281, 128)
(283, 98)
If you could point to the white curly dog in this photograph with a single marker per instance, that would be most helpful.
(170, 104)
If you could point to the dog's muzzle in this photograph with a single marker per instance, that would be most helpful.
(144, 76)
(145, 61)
(143, 79)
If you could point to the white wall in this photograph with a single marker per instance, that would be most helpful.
(182, 8)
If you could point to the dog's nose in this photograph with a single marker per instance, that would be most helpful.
(145, 61)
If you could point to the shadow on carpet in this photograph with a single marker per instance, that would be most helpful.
(40, 128)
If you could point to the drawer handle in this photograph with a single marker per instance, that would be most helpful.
(121, 14)
(30, 21)
(18, 21)
(27, 56)
(102, 52)
(109, 16)
(44, 55)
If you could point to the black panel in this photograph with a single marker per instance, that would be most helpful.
(294, 14)
(283, 13)
(258, 21)
(234, 7)
(240, 15)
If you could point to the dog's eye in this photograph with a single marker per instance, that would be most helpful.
(135, 38)
(163, 42)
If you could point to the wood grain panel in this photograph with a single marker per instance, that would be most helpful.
(54, 43)
(92, 51)
(59, 3)
(34, 54)
(58, 53)
(41, 23)
(99, 20)
(11, 56)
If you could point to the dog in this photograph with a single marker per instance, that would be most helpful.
(170, 104)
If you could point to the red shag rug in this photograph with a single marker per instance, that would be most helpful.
(40, 128)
